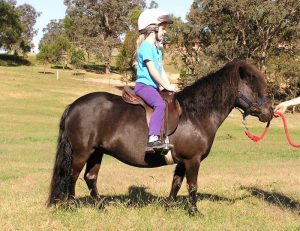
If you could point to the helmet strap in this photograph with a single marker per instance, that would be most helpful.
(150, 29)
(156, 36)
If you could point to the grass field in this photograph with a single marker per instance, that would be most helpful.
(242, 185)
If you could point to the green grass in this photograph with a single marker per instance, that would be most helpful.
(242, 185)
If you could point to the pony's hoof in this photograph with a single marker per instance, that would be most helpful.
(95, 195)
(98, 202)
(169, 205)
(193, 211)
(71, 204)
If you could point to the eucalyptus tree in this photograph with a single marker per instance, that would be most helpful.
(97, 25)
(249, 29)
(126, 59)
(28, 16)
(10, 25)
(52, 30)
(220, 31)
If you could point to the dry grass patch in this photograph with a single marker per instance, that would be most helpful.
(242, 185)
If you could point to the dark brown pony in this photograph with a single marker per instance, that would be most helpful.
(102, 123)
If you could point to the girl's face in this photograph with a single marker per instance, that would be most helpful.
(161, 31)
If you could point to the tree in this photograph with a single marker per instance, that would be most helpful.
(186, 47)
(283, 72)
(126, 59)
(77, 57)
(13, 3)
(58, 44)
(61, 49)
(10, 26)
(98, 25)
(56, 51)
(247, 29)
(53, 29)
(45, 54)
(28, 16)
(217, 32)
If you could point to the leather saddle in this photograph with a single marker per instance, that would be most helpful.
(172, 113)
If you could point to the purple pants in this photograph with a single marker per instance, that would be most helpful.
(152, 97)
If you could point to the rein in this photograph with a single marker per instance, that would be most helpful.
(258, 138)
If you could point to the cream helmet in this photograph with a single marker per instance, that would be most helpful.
(152, 17)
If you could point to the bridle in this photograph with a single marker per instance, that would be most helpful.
(257, 104)
(250, 107)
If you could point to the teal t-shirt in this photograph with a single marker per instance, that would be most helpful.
(147, 51)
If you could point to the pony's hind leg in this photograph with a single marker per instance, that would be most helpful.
(91, 172)
(78, 163)
(177, 181)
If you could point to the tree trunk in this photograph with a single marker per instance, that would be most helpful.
(107, 68)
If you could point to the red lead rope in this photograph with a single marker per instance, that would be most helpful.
(258, 138)
(254, 137)
(286, 130)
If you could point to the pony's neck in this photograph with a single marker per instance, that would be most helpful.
(211, 96)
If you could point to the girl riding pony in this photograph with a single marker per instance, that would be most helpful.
(152, 25)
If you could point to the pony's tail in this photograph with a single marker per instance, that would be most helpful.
(61, 179)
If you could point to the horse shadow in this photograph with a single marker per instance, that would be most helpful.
(138, 197)
(274, 198)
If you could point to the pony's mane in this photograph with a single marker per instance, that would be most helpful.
(217, 89)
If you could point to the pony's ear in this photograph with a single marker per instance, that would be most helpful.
(242, 72)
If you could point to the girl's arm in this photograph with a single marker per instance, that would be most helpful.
(165, 76)
(155, 74)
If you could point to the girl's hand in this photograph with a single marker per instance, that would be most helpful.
(281, 107)
(172, 87)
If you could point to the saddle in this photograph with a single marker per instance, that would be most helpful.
(172, 112)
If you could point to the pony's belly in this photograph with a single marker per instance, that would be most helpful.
(141, 159)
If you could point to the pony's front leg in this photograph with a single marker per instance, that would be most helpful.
(192, 169)
(176, 184)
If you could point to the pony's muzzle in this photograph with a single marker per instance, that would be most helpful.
(266, 114)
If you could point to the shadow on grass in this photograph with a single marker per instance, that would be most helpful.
(121, 88)
(274, 198)
(13, 60)
(78, 73)
(61, 67)
(46, 72)
(98, 69)
(138, 197)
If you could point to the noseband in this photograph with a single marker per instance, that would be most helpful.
(251, 107)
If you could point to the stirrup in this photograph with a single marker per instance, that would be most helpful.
(163, 150)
